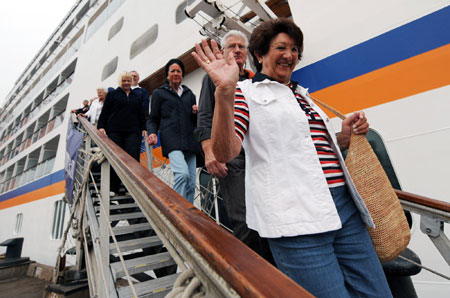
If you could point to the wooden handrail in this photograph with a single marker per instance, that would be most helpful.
(244, 270)
(424, 201)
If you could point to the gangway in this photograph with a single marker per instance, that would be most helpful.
(148, 239)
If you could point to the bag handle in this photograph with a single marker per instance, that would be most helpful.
(333, 110)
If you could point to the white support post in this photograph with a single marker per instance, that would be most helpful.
(104, 285)
(216, 202)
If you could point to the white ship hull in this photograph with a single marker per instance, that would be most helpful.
(389, 58)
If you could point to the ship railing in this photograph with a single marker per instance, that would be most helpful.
(434, 214)
(224, 265)
(37, 135)
(35, 111)
(37, 171)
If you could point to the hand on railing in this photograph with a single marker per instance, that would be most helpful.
(152, 139)
(103, 131)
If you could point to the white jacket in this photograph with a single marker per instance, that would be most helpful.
(286, 192)
(94, 111)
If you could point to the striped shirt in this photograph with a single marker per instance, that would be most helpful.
(319, 134)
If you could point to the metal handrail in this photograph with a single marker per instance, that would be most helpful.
(433, 216)
(224, 264)
(423, 201)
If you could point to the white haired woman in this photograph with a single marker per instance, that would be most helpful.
(96, 106)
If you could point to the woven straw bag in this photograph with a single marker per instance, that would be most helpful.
(391, 234)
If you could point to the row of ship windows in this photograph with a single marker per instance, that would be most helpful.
(59, 212)
(138, 46)
(142, 42)
(62, 81)
(35, 165)
(34, 132)
(54, 89)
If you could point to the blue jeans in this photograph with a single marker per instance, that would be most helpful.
(183, 166)
(341, 263)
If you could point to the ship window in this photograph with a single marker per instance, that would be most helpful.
(144, 41)
(69, 70)
(51, 87)
(18, 228)
(33, 158)
(59, 212)
(83, 11)
(110, 68)
(61, 105)
(115, 28)
(180, 16)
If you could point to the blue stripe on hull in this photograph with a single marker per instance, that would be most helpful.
(40, 183)
(417, 37)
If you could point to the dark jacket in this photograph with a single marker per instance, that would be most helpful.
(82, 110)
(172, 116)
(145, 99)
(122, 112)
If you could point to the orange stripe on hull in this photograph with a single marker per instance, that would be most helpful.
(48, 191)
(415, 75)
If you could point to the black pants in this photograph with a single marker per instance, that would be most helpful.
(232, 188)
(130, 142)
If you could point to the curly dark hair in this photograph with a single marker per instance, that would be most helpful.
(266, 31)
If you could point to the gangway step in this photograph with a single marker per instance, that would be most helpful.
(122, 230)
(133, 244)
(155, 288)
(123, 216)
(139, 265)
(117, 198)
(119, 206)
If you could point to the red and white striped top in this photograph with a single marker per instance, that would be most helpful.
(319, 134)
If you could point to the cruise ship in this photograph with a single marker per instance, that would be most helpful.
(388, 58)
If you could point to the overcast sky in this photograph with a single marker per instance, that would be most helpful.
(24, 27)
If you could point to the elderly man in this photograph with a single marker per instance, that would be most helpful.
(83, 109)
(231, 175)
(142, 92)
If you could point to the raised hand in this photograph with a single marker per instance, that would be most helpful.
(223, 71)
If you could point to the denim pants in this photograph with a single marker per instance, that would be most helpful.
(183, 166)
(341, 263)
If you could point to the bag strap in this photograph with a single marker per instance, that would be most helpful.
(333, 110)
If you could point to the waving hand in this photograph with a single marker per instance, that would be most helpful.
(223, 71)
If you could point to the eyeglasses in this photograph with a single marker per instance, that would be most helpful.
(282, 48)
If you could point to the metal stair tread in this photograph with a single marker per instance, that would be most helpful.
(121, 230)
(142, 264)
(153, 288)
(119, 206)
(133, 244)
(122, 216)
(117, 198)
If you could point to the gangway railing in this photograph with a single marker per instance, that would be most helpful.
(434, 215)
(224, 266)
